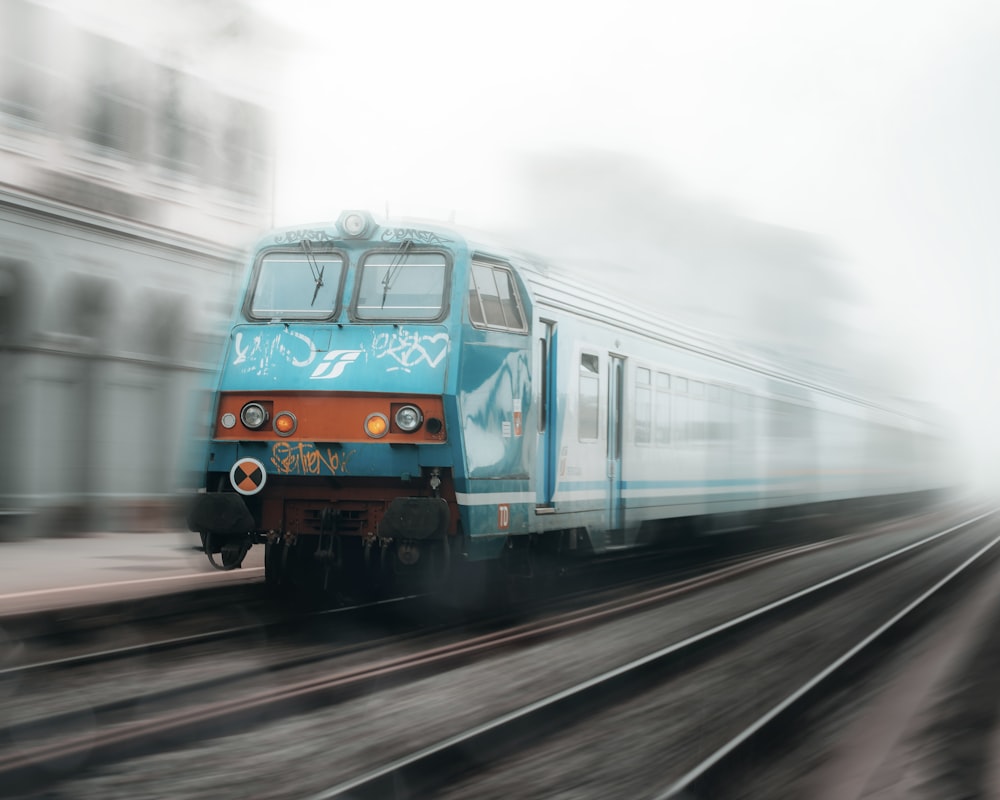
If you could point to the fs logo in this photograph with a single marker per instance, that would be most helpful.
(334, 363)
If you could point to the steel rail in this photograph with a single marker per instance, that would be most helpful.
(380, 781)
(718, 758)
(112, 653)
(31, 765)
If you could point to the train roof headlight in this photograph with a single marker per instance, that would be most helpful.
(408, 418)
(253, 415)
(376, 425)
(355, 224)
(285, 423)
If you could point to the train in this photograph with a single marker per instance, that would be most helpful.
(400, 400)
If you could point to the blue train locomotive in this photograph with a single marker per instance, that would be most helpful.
(396, 399)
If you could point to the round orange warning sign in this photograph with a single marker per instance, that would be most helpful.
(248, 476)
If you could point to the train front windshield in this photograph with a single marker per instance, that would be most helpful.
(297, 286)
(407, 286)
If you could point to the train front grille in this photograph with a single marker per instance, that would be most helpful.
(304, 517)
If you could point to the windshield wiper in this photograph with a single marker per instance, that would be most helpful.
(394, 267)
(317, 269)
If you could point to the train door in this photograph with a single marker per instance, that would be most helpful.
(547, 416)
(616, 392)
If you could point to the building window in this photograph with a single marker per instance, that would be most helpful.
(111, 118)
(23, 81)
(182, 140)
(244, 146)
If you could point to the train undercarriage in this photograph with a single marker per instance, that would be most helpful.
(371, 544)
(353, 536)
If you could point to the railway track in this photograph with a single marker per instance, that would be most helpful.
(216, 718)
(61, 638)
(26, 767)
(722, 763)
(184, 641)
(430, 770)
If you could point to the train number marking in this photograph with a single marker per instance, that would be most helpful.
(334, 363)
(503, 516)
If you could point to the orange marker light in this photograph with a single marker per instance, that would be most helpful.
(284, 423)
(376, 425)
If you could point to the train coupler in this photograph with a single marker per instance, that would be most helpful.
(230, 549)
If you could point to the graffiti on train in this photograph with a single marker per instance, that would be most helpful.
(408, 349)
(271, 352)
(305, 458)
(260, 353)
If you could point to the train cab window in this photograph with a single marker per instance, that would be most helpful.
(402, 285)
(302, 285)
(494, 301)
(589, 405)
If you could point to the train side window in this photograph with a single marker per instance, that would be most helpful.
(662, 408)
(681, 421)
(744, 416)
(589, 405)
(721, 418)
(697, 414)
(643, 406)
(476, 310)
(494, 301)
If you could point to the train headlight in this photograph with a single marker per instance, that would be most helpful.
(253, 415)
(355, 224)
(408, 418)
(228, 420)
(376, 425)
(285, 423)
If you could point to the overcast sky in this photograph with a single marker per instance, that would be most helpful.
(874, 126)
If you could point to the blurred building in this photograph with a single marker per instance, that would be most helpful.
(136, 165)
